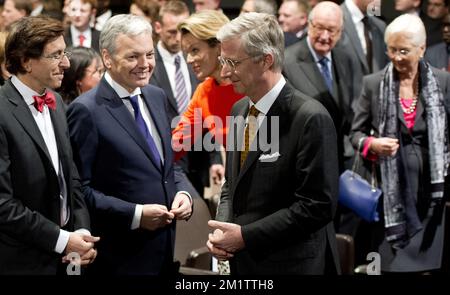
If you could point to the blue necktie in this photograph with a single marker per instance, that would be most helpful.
(144, 130)
(326, 73)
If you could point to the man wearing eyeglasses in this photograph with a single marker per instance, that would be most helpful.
(278, 201)
(43, 217)
(319, 69)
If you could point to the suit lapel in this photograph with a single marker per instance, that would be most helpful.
(122, 115)
(163, 80)
(307, 65)
(23, 115)
(274, 111)
(238, 139)
(343, 96)
(349, 27)
(158, 119)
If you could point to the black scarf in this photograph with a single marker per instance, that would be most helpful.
(400, 214)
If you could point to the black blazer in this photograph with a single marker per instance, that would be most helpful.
(29, 189)
(118, 172)
(95, 43)
(285, 205)
(350, 41)
(301, 70)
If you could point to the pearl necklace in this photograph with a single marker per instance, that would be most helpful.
(413, 105)
(411, 108)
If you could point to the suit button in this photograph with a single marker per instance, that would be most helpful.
(165, 181)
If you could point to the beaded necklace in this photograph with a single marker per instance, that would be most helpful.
(413, 105)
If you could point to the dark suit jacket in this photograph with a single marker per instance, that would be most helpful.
(438, 55)
(95, 43)
(424, 251)
(302, 71)
(366, 109)
(29, 189)
(195, 164)
(118, 172)
(350, 41)
(283, 206)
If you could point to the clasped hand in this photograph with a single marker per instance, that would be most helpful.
(83, 245)
(156, 216)
(225, 240)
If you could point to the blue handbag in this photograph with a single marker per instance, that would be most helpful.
(357, 194)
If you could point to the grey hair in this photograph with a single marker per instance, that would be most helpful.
(411, 25)
(260, 34)
(127, 24)
(266, 6)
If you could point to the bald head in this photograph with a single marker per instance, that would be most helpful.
(327, 10)
(325, 27)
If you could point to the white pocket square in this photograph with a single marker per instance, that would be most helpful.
(269, 157)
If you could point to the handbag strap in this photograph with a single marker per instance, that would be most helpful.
(357, 161)
(356, 164)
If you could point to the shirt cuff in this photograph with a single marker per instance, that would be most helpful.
(366, 153)
(62, 241)
(136, 223)
(186, 193)
(83, 231)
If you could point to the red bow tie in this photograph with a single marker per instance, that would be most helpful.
(48, 98)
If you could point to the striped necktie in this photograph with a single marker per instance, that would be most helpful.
(181, 95)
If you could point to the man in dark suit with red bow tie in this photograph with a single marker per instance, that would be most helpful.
(43, 217)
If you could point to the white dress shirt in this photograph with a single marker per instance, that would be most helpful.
(124, 94)
(169, 64)
(357, 17)
(76, 39)
(45, 125)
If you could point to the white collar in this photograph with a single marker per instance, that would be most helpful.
(265, 103)
(317, 57)
(24, 90)
(356, 14)
(119, 89)
(165, 54)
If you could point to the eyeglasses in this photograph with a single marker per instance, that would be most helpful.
(232, 64)
(403, 52)
(319, 29)
(58, 56)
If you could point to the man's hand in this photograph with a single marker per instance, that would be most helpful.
(83, 245)
(155, 216)
(217, 172)
(225, 240)
(181, 206)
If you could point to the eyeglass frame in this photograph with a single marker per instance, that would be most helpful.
(403, 52)
(59, 56)
(333, 32)
(233, 64)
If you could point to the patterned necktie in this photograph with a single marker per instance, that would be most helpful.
(250, 132)
(326, 73)
(81, 37)
(180, 87)
(365, 21)
(47, 99)
(144, 129)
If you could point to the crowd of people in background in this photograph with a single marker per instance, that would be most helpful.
(101, 113)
